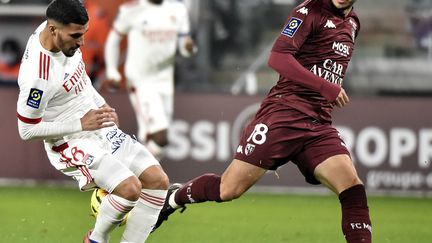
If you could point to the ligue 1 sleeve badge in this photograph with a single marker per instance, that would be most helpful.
(34, 98)
(291, 28)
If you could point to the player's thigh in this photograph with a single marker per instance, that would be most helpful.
(337, 173)
(109, 173)
(238, 178)
(134, 156)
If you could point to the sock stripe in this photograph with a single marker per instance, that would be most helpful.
(158, 201)
(118, 206)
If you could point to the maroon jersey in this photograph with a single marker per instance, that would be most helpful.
(311, 55)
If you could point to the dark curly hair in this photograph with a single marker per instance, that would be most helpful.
(67, 12)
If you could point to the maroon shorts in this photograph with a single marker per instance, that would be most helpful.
(273, 139)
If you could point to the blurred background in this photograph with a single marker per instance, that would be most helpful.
(387, 126)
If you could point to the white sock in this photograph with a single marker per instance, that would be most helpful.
(171, 200)
(144, 215)
(112, 211)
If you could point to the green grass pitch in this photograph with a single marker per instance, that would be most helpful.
(47, 214)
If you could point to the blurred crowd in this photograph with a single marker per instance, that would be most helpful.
(233, 34)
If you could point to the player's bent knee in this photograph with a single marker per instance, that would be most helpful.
(154, 178)
(129, 189)
(228, 193)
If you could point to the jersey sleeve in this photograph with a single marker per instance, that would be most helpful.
(122, 22)
(184, 23)
(297, 29)
(98, 99)
(32, 101)
(33, 96)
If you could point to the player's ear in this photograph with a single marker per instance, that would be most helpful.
(52, 27)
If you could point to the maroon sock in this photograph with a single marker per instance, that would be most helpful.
(356, 224)
(201, 189)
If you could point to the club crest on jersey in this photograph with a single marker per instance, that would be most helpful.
(292, 27)
(34, 98)
(249, 149)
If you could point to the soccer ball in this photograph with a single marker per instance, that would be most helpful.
(96, 200)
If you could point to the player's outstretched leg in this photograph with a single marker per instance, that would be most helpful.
(236, 179)
(200, 189)
(167, 209)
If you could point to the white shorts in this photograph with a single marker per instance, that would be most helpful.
(101, 158)
(153, 111)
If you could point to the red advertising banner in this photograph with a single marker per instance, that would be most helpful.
(390, 140)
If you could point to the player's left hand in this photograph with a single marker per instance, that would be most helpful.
(342, 99)
(113, 114)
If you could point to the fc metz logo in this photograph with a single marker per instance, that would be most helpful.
(249, 149)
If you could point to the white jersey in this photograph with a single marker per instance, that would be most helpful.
(53, 87)
(153, 32)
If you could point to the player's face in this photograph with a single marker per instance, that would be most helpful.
(69, 38)
(343, 4)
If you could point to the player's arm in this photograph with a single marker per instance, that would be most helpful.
(30, 129)
(120, 28)
(32, 101)
(186, 44)
(299, 26)
(287, 66)
(112, 56)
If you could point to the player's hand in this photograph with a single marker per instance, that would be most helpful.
(190, 46)
(342, 99)
(113, 78)
(100, 118)
(114, 114)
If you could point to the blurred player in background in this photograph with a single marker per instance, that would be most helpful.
(311, 54)
(154, 29)
(57, 103)
(93, 50)
(10, 60)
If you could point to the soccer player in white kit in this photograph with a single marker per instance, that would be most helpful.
(155, 28)
(57, 103)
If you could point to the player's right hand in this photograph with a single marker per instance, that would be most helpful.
(100, 118)
(113, 78)
(342, 99)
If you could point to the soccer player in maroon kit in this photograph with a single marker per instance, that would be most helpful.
(293, 123)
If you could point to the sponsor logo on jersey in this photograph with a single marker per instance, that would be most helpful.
(78, 81)
(303, 10)
(329, 24)
(249, 149)
(34, 98)
(341, 49)
(330, 70)
(292, 27)
(116, 138)
(240, 149)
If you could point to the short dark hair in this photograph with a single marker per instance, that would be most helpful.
(67, 12)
